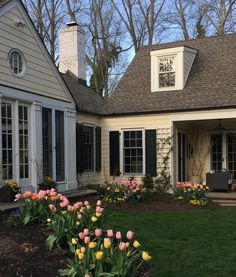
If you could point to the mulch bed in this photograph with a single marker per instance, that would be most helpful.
(22, 249)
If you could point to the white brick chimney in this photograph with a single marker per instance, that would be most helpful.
(72, 47)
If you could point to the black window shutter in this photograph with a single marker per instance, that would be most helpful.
(98, 148)
(151, 152)
(114, 137)
(79, 148)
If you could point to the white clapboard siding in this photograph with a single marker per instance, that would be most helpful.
(41, 76)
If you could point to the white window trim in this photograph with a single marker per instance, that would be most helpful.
(24, 64)
(178, 54)
(158, 74)
(122, 152)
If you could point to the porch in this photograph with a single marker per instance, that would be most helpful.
(203, 146)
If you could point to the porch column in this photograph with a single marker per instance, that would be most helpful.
(70, 149)
(36, 144)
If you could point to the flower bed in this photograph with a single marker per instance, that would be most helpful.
(105, 254)
(80, 226)
(125, 191)
(195, 194)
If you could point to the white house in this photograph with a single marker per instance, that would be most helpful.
(38, 115)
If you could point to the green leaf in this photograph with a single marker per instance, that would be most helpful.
(26, 219)
(108, 274)
(63, 272)
(50, 241)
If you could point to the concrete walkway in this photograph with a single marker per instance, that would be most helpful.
(69, 194)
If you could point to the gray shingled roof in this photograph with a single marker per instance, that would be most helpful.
(211, 82)
(87, 100)
(4, 2)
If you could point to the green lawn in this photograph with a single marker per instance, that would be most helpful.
(198, 243)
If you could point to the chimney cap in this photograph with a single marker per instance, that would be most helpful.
(71, 23)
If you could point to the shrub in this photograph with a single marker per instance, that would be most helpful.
(105, 255)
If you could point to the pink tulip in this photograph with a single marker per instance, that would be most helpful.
(86, 232)
(130, 235)
(118, 235)
(87, 275)
(18, 197)
(110, 233)
(87, 240)
(81, 235)
(86, 203)
(82, 249)
(99, 203)
(52, 208)
(98, 232)
(122, 246)
(79, 216)
(69, 208)
(88, 207)
(99, 209)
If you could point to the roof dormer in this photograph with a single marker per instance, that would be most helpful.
(170, 68)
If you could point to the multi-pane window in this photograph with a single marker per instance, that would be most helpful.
(167, 72)
(7, 146)
(60, 149)
(216, 152)
(17, 62)
(133, 152)
(231, 154)
(88, 148)
(23, 141)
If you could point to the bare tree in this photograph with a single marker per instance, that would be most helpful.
(220, 14)
(104, 34)
(37, 11)
(140, 18)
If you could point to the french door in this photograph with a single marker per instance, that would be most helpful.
(223, 152)
(15, 142)
(53, 144)
(181, 156)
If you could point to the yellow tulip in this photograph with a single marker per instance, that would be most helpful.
(98, 214)
(136, 244)
(99, 255)
(63, 212)
(92, 245)
(127, 244)
(77, 251)
(94, 218)
(107, 244)
(146, 256)
(81, 256)
(77, 223)
(49, 220)
(74, 241)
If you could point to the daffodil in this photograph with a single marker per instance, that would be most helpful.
(146, 256)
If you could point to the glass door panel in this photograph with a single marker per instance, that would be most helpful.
(47, 142)
(181, 156)
(216, 152)
(7, 141)
(231, 154)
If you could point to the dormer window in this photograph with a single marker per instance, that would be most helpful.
(167, 72)
(170, 68)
